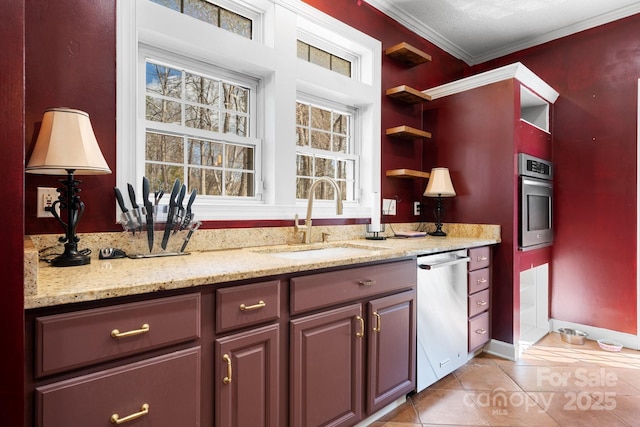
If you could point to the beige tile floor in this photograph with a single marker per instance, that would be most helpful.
(553, 384)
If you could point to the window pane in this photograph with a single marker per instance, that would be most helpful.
(162, 110)
(303, 51)
(239, 157)
(239, 184)
(302, 187)
(304, 165)
(164, 148)
(171, 4)
(341, 66)
(235, 23)
(321, 140)
(201, 90)
(340, 144)
(208, 182)
(320, 119)
(205, 153)
(164, 80)
(163, 176)
(319, 57)
(347, 189)
(202, 10)
(340, 123)
(302, 136)
(235, 124)
(325, 167)
(201, 118)
(236, 98)
(302, 114)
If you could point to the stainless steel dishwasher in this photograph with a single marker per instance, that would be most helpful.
(441, 316)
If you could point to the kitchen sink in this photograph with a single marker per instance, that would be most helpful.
(323, 250)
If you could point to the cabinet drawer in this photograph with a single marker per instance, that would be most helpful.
(479, 280)
(72, 340)
(479, 258)
(332, 288)
(479, 302)
(169, 385)
(478, 331)
(245, 305)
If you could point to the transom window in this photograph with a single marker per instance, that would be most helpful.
(213, 14)
(197, 130)
(315, 55)
(324, 148)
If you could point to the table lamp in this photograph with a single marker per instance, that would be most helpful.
(439, 186)
(66, 145)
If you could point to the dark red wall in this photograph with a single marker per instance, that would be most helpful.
(594, 152)
(12, 194)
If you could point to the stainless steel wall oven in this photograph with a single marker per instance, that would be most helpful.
(535, 207)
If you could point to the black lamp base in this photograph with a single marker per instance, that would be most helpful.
(71, 260)
(438, 233)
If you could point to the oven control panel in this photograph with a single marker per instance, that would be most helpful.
(534, 167)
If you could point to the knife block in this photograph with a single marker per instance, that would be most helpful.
(177, 240)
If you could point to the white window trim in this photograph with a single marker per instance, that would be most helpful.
(262, 58)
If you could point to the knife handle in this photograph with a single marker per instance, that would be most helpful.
(120, 200)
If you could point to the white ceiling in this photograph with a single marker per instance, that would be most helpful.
(479, 30)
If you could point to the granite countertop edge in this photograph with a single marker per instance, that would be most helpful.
(103, 279)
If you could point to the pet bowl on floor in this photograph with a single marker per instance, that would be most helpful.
(609, 345)
(572, 336)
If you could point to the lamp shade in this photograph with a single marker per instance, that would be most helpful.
(66, 142)
(439, 184)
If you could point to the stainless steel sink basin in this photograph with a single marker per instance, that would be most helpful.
(321, 251)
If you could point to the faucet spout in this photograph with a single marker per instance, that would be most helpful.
(306, 228)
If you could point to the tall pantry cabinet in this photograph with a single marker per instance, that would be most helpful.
(479, 125)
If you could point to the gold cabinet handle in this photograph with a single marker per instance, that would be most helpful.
(227, 379)
(482, 258)
(115, 418)
(361, 321)
(481, 331)
(143, 330)
(483, 280)
(260, 304)
(376, 327)
(481, 303)
(366, 282)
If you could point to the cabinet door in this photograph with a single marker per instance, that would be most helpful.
(247, 378)
(392, 347)
(326, 368)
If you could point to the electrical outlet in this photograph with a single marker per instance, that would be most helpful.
(416, 208)
(46, 197)
(388, 206)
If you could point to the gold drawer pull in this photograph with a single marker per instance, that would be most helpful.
(481, 303)
(376, 328)
(260, 304)
(481, 331)
(361, 321)
(366, 282)
(227, 379)
(115, 418)
(483, 280)
(143, 330)
(482, 258)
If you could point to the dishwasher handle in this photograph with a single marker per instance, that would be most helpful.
(457, 260)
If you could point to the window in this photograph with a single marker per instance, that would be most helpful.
(188, 117)
(325, 148)
(241, 118)
(212, 14)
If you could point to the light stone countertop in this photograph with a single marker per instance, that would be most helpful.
(104, 279)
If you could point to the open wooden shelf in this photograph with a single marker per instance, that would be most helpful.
(407, 94)
(407, 54)
(407, 173)
(407, 132)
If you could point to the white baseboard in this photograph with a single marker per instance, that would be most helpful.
(628, 340)
(390, 407)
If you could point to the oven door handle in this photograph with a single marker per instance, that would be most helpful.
(537, 183)
(457, 260)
